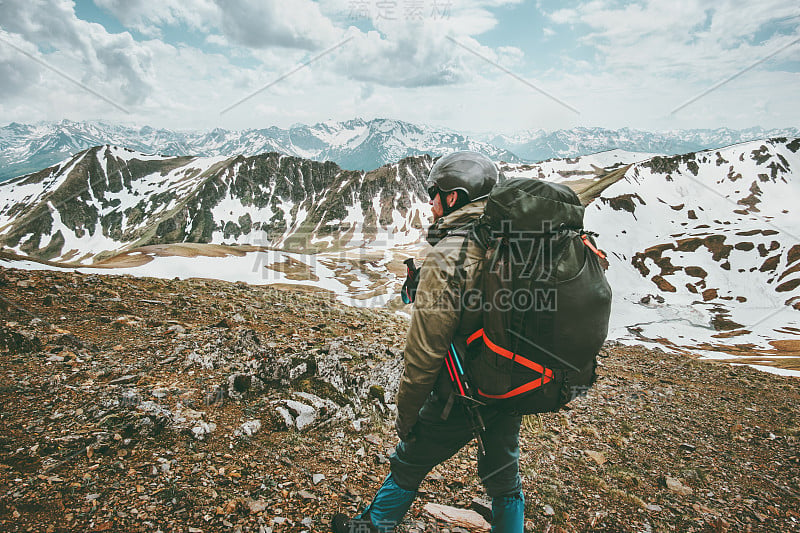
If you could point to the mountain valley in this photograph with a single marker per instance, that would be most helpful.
(703, 258)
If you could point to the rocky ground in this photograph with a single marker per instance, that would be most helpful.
(131, 404)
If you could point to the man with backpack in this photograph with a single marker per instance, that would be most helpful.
(429, 434)
(510, 311)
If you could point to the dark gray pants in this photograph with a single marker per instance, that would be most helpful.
(435, 440)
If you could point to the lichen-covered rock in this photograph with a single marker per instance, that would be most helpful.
(248, 429)
(203, 429)
(295, 414)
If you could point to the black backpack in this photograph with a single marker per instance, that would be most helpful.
(545, 299)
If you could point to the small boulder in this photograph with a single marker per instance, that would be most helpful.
(202, 429)
(176, 329)
(295, 414)
(467, 519)
(676, 486)
(257, 506)
(248, 429)
(597, 457)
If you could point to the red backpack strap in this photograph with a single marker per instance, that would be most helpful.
(547, 374)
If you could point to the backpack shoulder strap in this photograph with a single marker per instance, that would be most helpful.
(469, 232)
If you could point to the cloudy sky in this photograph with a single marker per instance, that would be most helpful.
(470, 65)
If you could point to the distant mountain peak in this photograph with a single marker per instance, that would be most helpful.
(539, 145)
(354, 144)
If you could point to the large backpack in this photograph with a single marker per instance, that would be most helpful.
(545, 300)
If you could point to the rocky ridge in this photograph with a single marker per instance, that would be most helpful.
(142, 404)
(107, 199)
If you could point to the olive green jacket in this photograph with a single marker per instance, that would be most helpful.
(437, 318)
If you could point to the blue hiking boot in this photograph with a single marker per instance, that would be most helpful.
(508, 514)
(387, 509)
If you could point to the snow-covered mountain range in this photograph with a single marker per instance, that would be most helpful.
(106, 199)
(538, 145)
(355, 144)
(703, 247)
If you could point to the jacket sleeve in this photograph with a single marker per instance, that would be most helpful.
(434, 320)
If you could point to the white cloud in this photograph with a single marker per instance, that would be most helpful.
(216, 39)
(564, 16)
(111, 63)
(417, 52)
(250, 23)
(17, 72)
(119, 57)
(416, 59)
(690, 37)
(509, 56)
(647, 58)
(146, 16)
(266, 23)
(633, 65)
(735, 20)
(411, 11)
